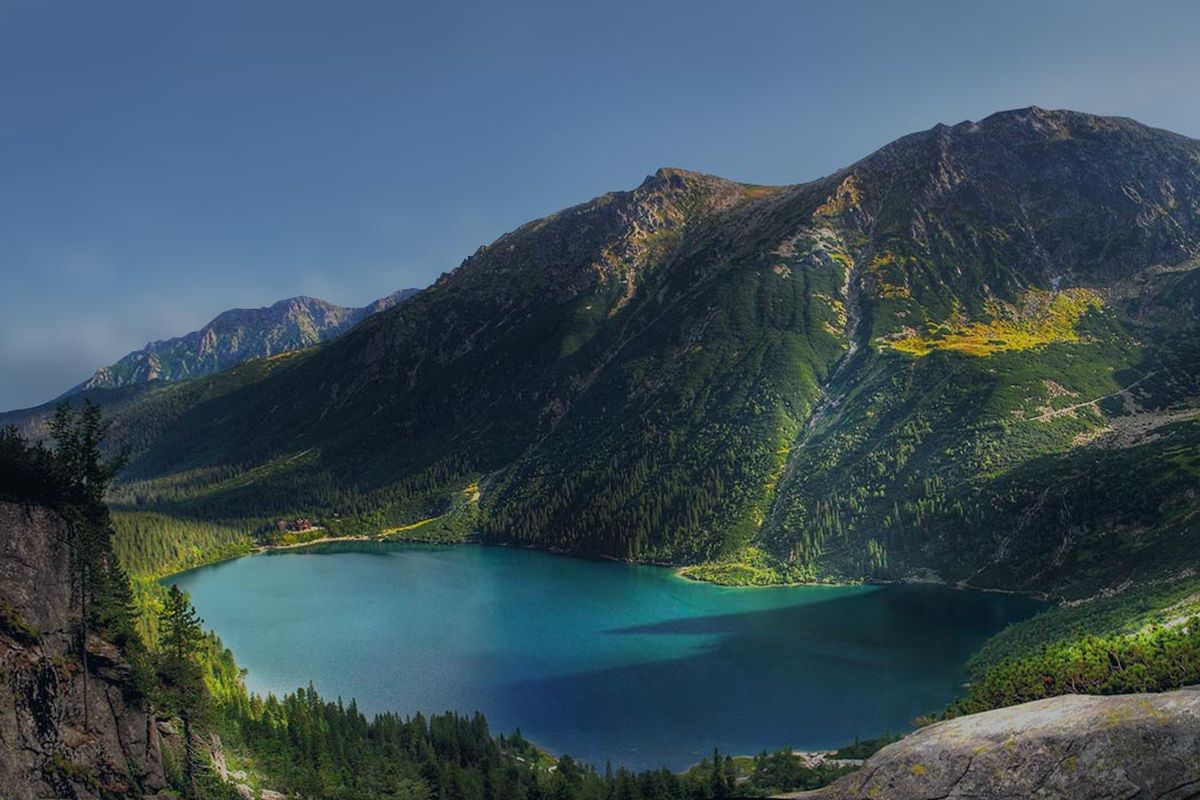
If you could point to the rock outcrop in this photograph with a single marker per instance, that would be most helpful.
(1075, 746)
(49, 746)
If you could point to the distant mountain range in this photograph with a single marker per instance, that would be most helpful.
(972, 356)
(235, 336)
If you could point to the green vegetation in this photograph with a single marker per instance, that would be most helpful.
(1037, 319)
(972, 468)
(1135, 609)
(750, 566)
(155, 545)
(762, 386)
(865, 748)
(300, 743)
(181, 689)
(874, 376)
(1153, 660)
(761, 775)
(304, 744)
(13, 624)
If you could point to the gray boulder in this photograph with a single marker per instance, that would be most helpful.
(1075, 746)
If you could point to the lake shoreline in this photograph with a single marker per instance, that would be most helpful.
(522, 638)
(678, 570)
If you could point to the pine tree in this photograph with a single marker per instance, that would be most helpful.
(83, 477)
(180, 628)
(718, 787)
(180, 676)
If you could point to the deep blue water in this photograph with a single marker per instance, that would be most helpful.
(599, 660)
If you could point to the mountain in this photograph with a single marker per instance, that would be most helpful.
(970, 357)
(234, 336)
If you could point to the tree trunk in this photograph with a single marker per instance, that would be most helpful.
(189, 755)
(83, 654)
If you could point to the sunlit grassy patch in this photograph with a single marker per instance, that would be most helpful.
(750, 566)
(410, 527)
(889, 278)
(1037, 319)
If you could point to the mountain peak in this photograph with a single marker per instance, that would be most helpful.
(1062, 123)
(237, 335)
(666, 173)
(678, 178)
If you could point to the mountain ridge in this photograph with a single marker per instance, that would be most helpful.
(234, 336)
(901, 370)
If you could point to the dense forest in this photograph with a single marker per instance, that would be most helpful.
(317, 748)
(321, 748)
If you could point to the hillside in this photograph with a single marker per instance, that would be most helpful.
(971, 356)
(235, 336)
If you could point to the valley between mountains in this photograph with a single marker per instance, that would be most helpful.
(971, 358)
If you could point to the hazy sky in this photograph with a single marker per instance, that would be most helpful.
(161, 162)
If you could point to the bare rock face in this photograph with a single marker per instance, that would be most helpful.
(1075, 746)
(46, 749)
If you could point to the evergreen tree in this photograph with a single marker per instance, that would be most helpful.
(83, 476)
(181, 679)
(717, 785)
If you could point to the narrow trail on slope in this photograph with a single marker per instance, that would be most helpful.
(1065, 410)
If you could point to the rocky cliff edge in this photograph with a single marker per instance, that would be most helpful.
(46, 748)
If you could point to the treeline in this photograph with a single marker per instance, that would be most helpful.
(153, 545)
(651, 502)
(250, 498)
(305, 744)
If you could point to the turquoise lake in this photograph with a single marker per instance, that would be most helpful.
(600, 660)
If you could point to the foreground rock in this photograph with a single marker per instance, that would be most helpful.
(1078, 747)
(46, 748)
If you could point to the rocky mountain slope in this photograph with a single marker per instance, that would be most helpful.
(235, 336)
(1075, 746)
(56, 739)
(944, 362)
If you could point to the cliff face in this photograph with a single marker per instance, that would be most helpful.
(46, 749)
(1076, 746)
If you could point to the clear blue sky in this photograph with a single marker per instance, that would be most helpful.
(162, 161)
